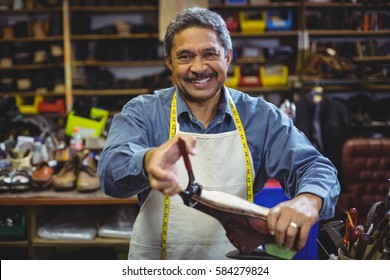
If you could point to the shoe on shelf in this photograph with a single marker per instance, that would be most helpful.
(5, 180)
(42, 176)
(19, 160)
(87, 179)
(66, 178)
(21, 180)
(5, 160)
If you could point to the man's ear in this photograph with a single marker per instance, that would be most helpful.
(168, 62)
(229, 57)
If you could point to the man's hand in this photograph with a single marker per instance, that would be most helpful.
(291, 221)
(160, 164)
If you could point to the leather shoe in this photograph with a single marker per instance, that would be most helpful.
(66, 178)
(87, 179)
(42, 176)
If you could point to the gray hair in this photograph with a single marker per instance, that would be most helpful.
(197, 17)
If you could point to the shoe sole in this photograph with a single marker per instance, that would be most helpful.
(41, 185)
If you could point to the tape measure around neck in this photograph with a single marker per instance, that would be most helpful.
(249, 177)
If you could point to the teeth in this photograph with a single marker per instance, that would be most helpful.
(201, 81)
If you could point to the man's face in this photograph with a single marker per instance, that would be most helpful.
(199, 66)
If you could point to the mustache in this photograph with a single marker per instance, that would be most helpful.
(201, 76)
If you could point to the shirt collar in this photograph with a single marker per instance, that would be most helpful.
(223, 110)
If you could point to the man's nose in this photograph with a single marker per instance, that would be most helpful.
(198, 64)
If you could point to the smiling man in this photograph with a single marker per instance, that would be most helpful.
(236, 143)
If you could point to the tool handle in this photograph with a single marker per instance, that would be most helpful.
(183, 151)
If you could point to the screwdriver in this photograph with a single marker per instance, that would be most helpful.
(350, 224)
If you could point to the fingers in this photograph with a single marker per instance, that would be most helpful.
(160, 164)
(290, 226)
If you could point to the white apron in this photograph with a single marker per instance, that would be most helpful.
(219, 165)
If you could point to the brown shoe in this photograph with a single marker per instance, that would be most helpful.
(42, 176)
(66, 178)
(87, 179)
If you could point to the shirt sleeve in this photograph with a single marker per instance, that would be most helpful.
(290, 158)
(120, 165)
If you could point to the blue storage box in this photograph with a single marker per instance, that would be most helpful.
(279, 20)
(235, 2)
(272, 195)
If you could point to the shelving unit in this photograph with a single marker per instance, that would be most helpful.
(38, 206)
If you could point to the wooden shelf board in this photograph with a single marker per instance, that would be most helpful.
(27, 39)
(108, 92)
(143, 63)
(114, 36)
(72, 197)
(98, 241)
(113, 9)
(265, 34)
(291, 4)
(32, 66)
(12, 243)
(348, 33)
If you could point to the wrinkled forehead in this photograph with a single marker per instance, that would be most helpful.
(196, 39)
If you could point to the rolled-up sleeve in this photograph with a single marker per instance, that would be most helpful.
(292, 160)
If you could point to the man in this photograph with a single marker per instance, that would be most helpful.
(236, 143)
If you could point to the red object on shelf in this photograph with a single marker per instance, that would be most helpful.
(52, 106)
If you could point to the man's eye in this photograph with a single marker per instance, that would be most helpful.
(184, 57)
(212, 55)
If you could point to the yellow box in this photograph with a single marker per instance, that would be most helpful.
(88, 127)
(275, 75)
(233, 81)
(252, 21)
(29, 109)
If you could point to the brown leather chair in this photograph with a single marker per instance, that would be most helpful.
(365, 170)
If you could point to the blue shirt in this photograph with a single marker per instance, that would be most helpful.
(279, 150)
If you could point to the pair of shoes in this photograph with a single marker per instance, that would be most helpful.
(80, 172)
(18, 180)
(42, 176)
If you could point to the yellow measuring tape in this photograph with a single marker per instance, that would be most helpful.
(249, 177)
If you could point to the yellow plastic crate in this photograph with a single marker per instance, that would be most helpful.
(233, 81)
(92, 127)
(252, 21)
(275, 75)
(28, 108)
